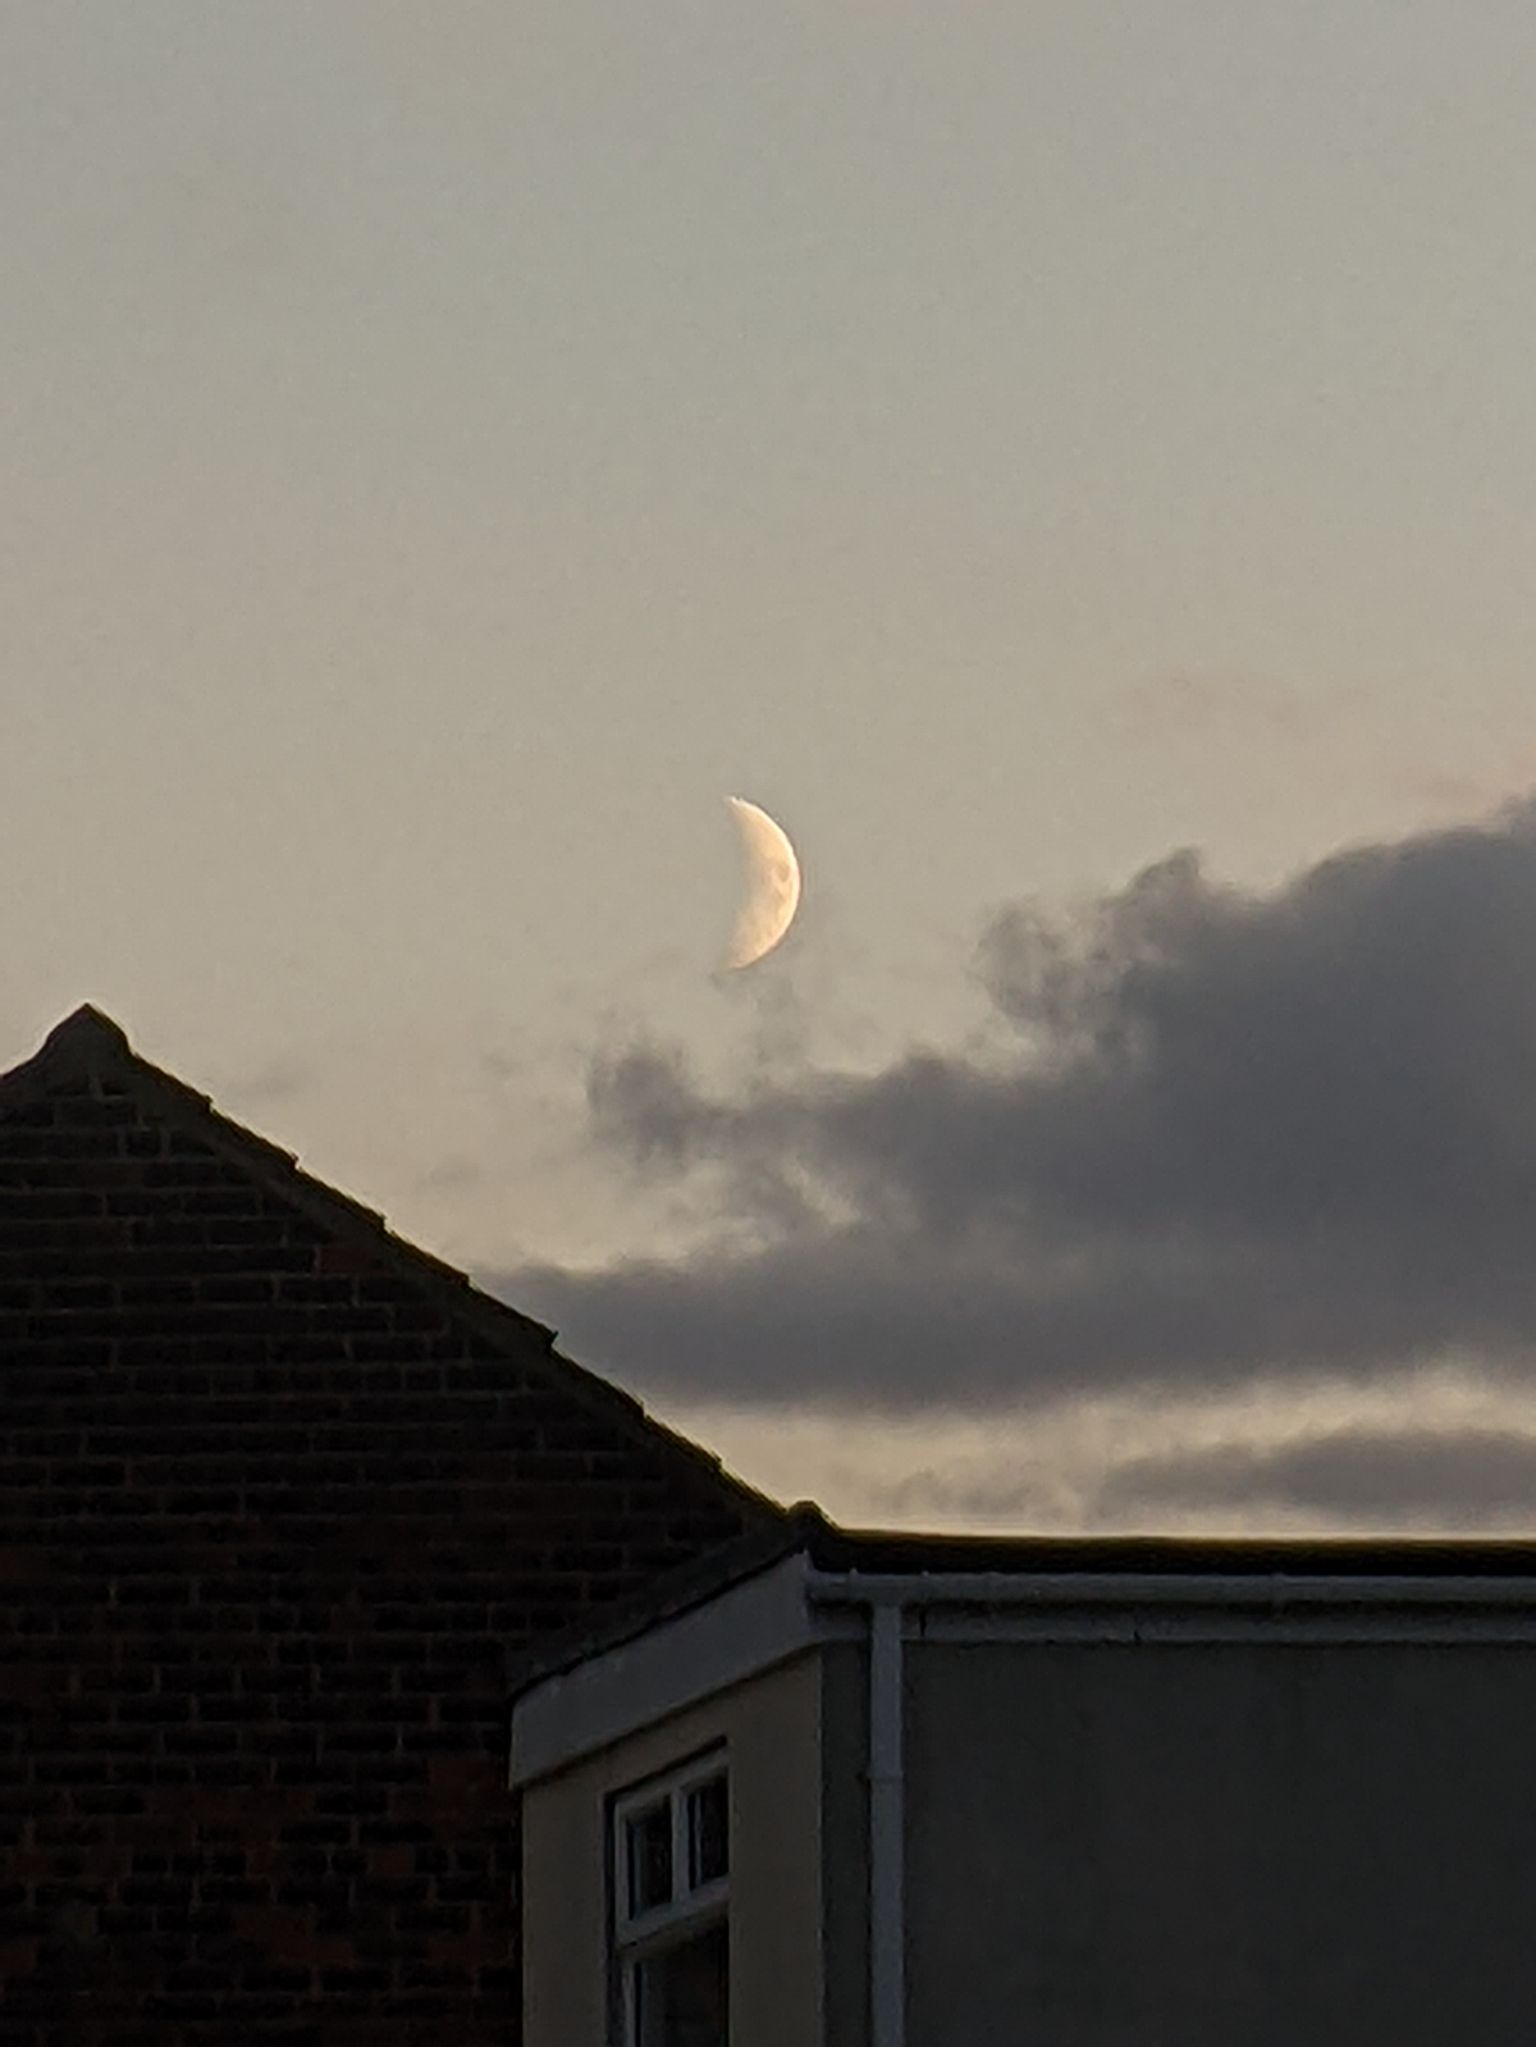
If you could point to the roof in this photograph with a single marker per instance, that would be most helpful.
(805, 1530)
(842, 1549)
(89, 1053)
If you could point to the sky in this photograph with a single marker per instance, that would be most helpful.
(1071, 463)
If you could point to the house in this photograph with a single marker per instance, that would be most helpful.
(282, 1500)
(844, 1790)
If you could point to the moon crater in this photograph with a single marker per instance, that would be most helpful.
(773, 885)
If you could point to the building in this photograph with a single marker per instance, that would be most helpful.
(842, 1790)
(281, 1502)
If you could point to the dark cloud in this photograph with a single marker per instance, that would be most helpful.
(1452, 1479)
(1234, 1135)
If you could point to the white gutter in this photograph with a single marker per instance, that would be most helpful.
(886, 1597)
(774, 1615)
(887, 1825)
(887, 1789)
(1084, 1588)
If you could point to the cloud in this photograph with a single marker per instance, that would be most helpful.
(992, 1492)
(1445, 1479)
(1231, 1136)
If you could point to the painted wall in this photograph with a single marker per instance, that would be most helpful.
(1133, 1846)
(845, 1841)
(772, 1725)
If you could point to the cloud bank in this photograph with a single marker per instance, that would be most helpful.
(1372, 1477)
(1232, 1136)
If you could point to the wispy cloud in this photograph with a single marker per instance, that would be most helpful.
(1371, 1477)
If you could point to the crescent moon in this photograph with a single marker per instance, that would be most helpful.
(773, 885)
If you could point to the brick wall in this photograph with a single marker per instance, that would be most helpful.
(279, 1503)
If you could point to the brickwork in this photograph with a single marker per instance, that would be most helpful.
(280, 1501)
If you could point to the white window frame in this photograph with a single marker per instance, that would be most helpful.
(636, 1936)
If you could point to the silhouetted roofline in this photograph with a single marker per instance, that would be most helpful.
(878, 1553)
(91, 1046)
(894, 1551)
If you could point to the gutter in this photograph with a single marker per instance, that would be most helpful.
(887, 1794)
(1261, 1589)
(886, 1597)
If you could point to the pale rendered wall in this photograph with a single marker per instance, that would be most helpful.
(772, 1725)
(1221, 1846)
(845, 1841)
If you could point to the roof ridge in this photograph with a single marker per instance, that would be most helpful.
(89, 1042)
(86, 1036)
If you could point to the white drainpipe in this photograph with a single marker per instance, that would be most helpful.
(887, 1796)
(886, 1599)
(887, 1900)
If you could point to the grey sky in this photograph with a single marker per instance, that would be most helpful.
(449, 450)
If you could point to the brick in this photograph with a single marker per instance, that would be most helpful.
(283, 1501)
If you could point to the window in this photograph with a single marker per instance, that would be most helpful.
(671, 1880)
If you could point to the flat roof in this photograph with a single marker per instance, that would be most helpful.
(876, 1553)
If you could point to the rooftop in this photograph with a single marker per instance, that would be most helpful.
(86, 1070)
(881, 1553)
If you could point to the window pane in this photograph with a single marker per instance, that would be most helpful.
(649, 1859)
(682, 1995)
(708, 1833)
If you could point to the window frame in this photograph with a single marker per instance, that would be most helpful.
(635, 1937)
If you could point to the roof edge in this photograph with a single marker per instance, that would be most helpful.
(90, 1045)
(870, 1554)
(675, 1593)
(85, 1042)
